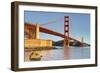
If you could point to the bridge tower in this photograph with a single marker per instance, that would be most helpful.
(37, 32)
(66, 32)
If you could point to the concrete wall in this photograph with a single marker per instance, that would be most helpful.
(33, 43)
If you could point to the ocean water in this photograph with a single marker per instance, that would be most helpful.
(61, 53)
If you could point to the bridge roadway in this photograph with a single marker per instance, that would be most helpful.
(45, 30)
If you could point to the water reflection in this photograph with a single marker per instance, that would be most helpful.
(57, 54)
(66, 53)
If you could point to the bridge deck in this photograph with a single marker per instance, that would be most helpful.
(48, 31)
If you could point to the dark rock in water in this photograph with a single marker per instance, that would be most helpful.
(35, 56)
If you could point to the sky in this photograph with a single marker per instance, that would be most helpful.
(79, 24)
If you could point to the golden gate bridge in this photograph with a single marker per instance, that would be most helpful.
(32, 30)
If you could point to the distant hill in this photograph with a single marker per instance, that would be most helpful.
(78, 44)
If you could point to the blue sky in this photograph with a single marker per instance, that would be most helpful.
(79, 23)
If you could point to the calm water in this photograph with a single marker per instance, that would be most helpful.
(62, 54)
